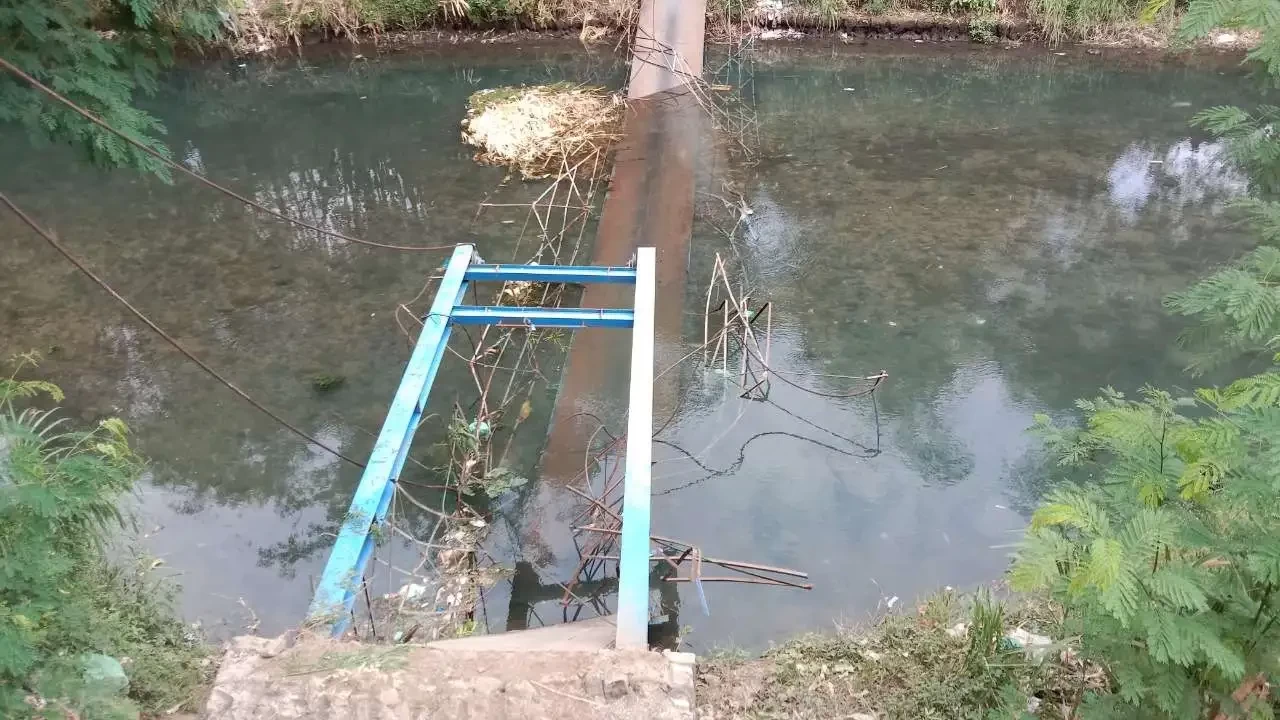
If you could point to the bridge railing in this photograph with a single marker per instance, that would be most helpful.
(343, 574)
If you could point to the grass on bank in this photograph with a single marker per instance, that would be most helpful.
(948, 658)
(80, 636)
(268, 22)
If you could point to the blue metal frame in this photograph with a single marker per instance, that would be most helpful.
(633, 566)
(581, 274)
(351, 551)
(343, 574)
(541, 317)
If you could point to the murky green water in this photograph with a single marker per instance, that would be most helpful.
(995, 231)
(237, 506)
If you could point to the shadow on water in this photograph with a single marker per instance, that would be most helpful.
(995, 232)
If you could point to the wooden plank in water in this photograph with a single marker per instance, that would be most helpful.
(668, 46)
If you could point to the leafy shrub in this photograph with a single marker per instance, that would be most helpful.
(1237, 307)
(58, 43)
(398, 14)
(829, 12)
(1168, 564)
(971, 6)
(984, 29)
(1250, 138)
(1204, 16)
(61, 602)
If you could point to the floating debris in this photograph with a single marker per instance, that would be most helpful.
(324, 382)
(542, 130)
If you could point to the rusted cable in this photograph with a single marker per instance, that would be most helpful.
(57, 245)
(187, 171)
(733, 564)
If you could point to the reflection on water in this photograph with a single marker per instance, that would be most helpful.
(995, 231)
(369, 147)
(1180, 174)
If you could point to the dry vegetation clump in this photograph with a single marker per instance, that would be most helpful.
(262, 25)
(953, 657)
(544, 131)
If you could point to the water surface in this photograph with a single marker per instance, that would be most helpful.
(995, 231)
(346, 138)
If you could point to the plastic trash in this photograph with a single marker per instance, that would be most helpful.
(104, 672)
(1036, 646)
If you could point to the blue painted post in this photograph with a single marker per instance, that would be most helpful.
(633, 586)
(351, 551)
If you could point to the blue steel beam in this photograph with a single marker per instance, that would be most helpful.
(540, 317)
(342, 575)
(581, 274)
(633, 567)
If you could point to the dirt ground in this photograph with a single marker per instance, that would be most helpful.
(728, 690)
(261, 678)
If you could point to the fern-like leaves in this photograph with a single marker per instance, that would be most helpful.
(1172, 591)
(58, 44)
(1237, 308)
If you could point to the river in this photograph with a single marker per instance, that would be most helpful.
(994, 229)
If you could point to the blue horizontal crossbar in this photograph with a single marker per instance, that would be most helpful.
(582, 274)
(540, 317)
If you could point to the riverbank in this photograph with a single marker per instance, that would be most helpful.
(951, 656)
(257, 26)
(1053, 175)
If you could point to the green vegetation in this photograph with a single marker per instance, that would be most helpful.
(283, 20)
(1237, 307)
(984, 29)
(1063, 19)
(398, 14)
(70, 621)
(325, 382)
(951, 658)
(473, 475)
(959, 7)
(917, 668)
(1249, 138)
(100, 54)
(828, 12)
(1203, 16)
(1167, 561)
